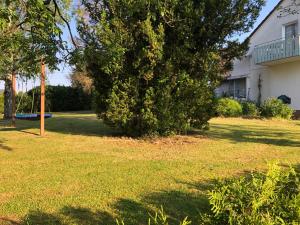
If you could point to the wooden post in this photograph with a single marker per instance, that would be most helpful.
(42, 113)
(13, 98)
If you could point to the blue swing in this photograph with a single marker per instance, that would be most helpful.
(30, 116)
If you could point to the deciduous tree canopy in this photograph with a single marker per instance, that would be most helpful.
(30, 32)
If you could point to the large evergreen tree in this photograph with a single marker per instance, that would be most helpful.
(156, 63)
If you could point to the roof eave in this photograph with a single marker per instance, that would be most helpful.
(267, 17)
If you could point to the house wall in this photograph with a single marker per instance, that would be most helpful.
(273, 28)
(284, 80)
(223, 88)
(242, 67)
(276, 79)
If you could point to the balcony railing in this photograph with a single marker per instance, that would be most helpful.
(277, 50)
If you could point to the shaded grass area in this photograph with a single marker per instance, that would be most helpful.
(83, 172)
(178, 204)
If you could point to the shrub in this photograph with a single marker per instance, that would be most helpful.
(1, 102)
(261, 199)
(228, 107)
(250, 109)
(276, 108)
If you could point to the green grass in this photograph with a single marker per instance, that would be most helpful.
(82, 172)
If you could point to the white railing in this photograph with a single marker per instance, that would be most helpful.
(277, 50)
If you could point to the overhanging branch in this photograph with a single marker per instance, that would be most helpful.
(66, 22)
(291, 9)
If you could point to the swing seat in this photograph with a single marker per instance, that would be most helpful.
(32, 116)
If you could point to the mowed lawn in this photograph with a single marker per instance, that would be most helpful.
(82, 172)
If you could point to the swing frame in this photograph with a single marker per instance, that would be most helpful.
(42, 114)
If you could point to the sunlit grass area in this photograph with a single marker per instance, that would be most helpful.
(83, 172)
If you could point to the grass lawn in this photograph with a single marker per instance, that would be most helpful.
(82, 173)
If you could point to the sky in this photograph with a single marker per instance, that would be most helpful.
(60, 77)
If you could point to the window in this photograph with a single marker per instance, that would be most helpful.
(291, 31)
(235, 88)
(291, 40)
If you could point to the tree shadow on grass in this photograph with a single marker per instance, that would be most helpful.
(180, 204)
(42, 218)
(72, 124)
(89, 125)
(177, 205)
(68, 215)
(3, 146)
(85, 216)
(255, 134)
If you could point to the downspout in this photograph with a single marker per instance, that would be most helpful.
(259, 90)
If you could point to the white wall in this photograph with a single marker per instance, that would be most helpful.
(284, 80)
(241, 67)
(1, 85)
(278, 79)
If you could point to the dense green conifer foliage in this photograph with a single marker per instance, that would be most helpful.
(156, 63)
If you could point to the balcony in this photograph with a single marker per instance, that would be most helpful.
(279, 51)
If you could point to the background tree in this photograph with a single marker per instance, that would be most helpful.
(80, 79)
(16, 57)
(30, 31)
(156, 64)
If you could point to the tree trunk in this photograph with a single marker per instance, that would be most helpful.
(8, 98)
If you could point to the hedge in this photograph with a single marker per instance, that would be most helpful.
(58, 99)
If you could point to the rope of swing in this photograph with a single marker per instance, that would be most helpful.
(19, 103)
(33, 94)
(23, 93)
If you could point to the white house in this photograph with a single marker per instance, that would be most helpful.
(271, 67)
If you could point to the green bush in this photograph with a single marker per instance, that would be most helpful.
(250, 109)
(276, 108)
(228, 107)
(261, 199)
(1, 102)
